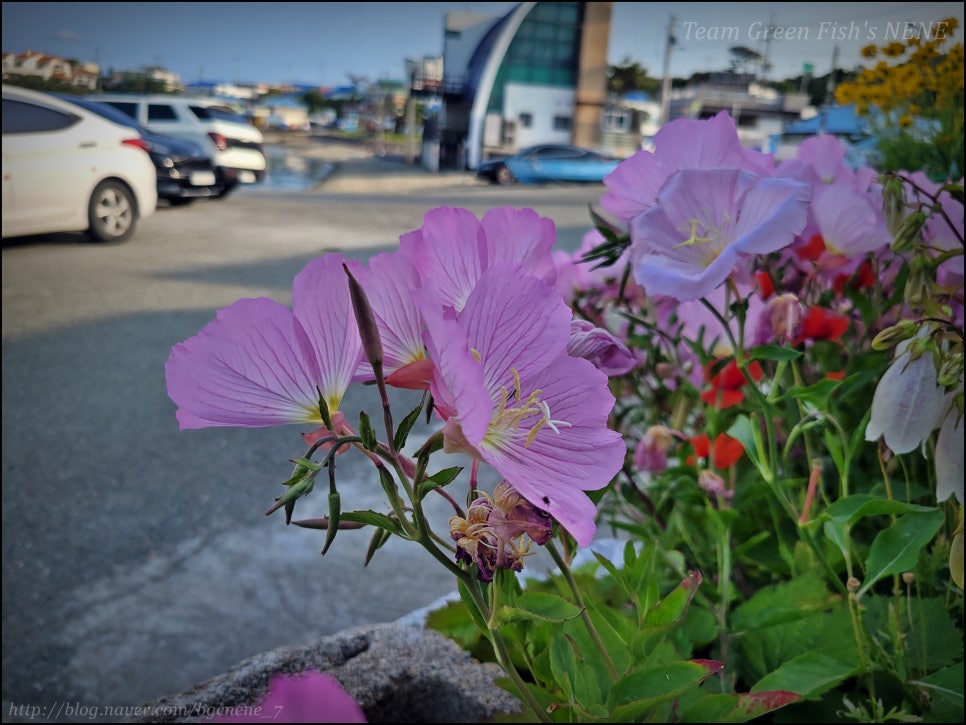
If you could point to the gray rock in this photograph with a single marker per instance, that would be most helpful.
(397, 672)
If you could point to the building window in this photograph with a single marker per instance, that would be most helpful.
(526, 120)
(618, 121)
(562, 123)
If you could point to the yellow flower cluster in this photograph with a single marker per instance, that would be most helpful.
(913, 78)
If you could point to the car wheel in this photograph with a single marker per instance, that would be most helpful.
(504, 175)
(112, 212)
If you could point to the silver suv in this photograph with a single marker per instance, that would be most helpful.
(234, 145)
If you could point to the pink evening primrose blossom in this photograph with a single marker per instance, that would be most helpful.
(453, 248)
(705, 221)
(512, 397)
(260, 364)
(633, 187)
(388, 282)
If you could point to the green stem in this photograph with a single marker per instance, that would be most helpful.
(584, 613)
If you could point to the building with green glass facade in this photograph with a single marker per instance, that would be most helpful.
(536, 75)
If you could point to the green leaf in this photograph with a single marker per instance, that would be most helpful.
(817, 394)
(675, 604)
(774, 352)
(727, 708)
(896, 549)
(742, 429)
(635, 695)
(368, 435)
(563, 663)
(406, 425)
(540, 606)
(850, 509)
(945, 691)
(374, 518)
(376, 541)
(810, 675)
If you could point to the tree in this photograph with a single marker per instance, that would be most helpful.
(742, 57)
(630, 75)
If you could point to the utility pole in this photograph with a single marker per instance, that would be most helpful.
(666, 86)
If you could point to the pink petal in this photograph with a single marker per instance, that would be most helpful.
(252, 366)
(522, 236)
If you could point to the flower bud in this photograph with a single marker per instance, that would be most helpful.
(951, 370)
(893, 204)
(891, 336)
(909, 231)
(368, 331)
(919, 285)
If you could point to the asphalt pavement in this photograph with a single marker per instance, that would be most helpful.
(137, 559)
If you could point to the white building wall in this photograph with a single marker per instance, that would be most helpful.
(543, 104)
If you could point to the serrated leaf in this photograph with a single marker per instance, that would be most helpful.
(896, 549)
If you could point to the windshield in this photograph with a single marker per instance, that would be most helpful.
(106, 111)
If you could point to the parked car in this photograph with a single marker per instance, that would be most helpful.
(184, 172)
(234, 145)
(66, 169)
(547, 163)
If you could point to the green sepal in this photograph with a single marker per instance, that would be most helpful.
(368, 435)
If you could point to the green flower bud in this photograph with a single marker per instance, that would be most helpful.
(893, 203)
(919, 286)
(891, 336)
(909, 231)
(951, 370)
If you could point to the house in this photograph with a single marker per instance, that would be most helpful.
(759, 112)
(281, 112)
(45, 67)
(629, 122)
(536, 75)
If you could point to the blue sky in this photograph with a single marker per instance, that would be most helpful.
(322, 43)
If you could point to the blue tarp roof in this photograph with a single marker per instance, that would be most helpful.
(839, 120)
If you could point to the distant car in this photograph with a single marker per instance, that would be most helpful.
(184, 172)
(66, 169)
(547, 163)
(234, 145)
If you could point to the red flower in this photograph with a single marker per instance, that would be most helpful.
(861, 278)
(822, 324)
(726, 383)
(812, 249)
(726, 453)
(765, 284)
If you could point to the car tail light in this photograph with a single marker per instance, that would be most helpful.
(221, 143)
(137, 143)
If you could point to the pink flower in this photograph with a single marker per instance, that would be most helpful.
(598, 345)
(388, 282)
(453, 248)
(260, 364)
(512, 397)
(310, 697)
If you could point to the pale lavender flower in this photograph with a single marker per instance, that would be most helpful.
(633, 187)
(949, 453)
(907, 403)
(705, 220)
(512, 397)
(260, 364)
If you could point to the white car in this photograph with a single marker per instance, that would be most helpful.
(234, 145)
(66, 169)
